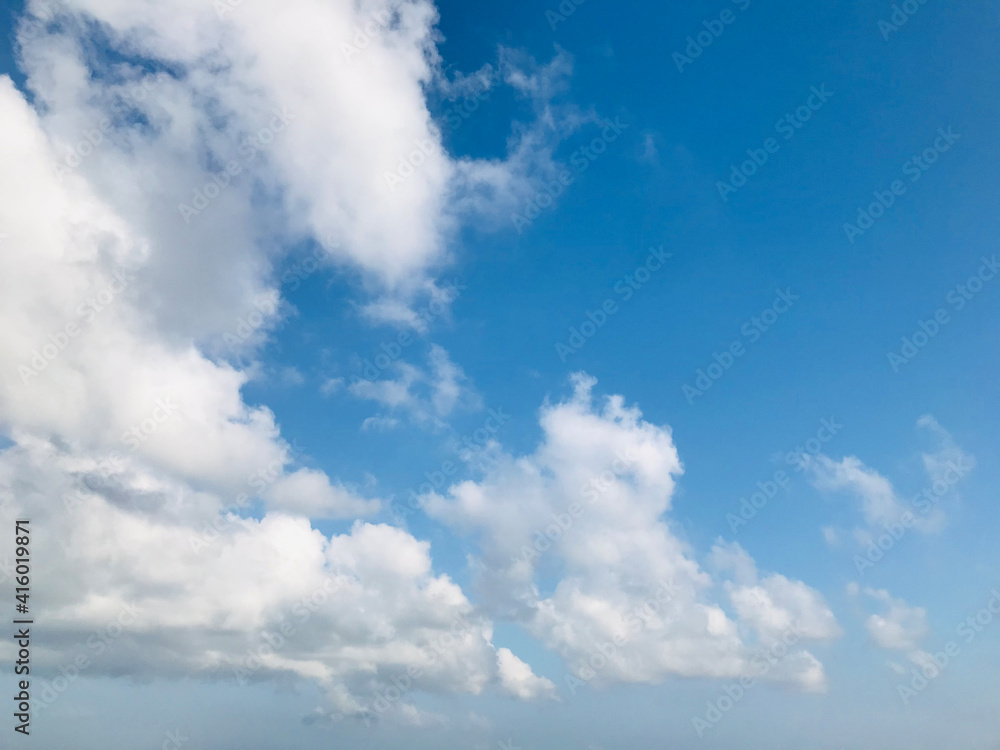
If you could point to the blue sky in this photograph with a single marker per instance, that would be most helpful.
(836, 107)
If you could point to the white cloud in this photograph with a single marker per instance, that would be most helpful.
(331, 386)
(144, 206)
(774, 604)
(589, 502)
(517, 678)
(899, 627)
(881, 504)
(309, 493)
(427, 396)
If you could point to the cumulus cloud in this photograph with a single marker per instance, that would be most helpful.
(148, 195)
(590, 503)
(773, 604)
(517, 678)
(350, 611)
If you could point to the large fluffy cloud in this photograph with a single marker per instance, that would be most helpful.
(170, 155)
(588, 507)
